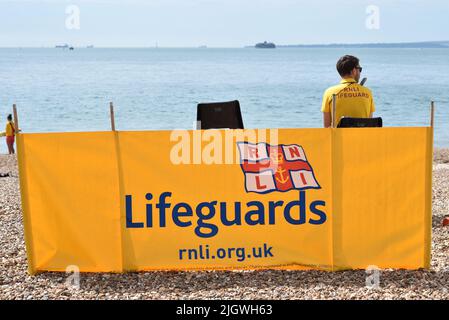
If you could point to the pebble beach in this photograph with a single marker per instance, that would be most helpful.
(15, 283)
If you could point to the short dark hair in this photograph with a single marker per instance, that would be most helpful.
(346, 64)
(9, 117)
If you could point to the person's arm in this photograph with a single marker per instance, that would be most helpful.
(327, 119)
(326, 110)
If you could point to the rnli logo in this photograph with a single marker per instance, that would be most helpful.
(270, 168)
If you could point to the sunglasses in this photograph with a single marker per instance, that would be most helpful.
(359, 68)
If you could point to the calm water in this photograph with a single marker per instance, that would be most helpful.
(61, 90)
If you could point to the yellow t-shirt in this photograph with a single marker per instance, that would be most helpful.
(9, 130)
(353, 100)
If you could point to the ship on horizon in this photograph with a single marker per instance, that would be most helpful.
(65, 46)
(265, 45)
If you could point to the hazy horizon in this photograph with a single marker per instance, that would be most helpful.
(282, 45)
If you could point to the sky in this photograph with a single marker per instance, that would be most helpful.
(219, 23)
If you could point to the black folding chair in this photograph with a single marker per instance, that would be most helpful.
(219, 115)
(360, 123)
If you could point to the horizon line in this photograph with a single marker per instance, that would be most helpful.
(224, 47)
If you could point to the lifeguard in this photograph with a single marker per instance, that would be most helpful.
(10, 133)
(353, 99)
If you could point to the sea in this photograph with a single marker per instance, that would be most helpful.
(60, 90)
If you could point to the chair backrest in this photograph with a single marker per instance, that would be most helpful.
(360, 123)
(219, 115)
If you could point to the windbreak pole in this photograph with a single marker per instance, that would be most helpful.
(111, 109)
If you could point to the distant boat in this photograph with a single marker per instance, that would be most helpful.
(71, 48)
(64, 46)
(266, 45)
(90, 47)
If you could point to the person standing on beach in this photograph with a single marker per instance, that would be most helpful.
(10, 133)
(353, 99)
